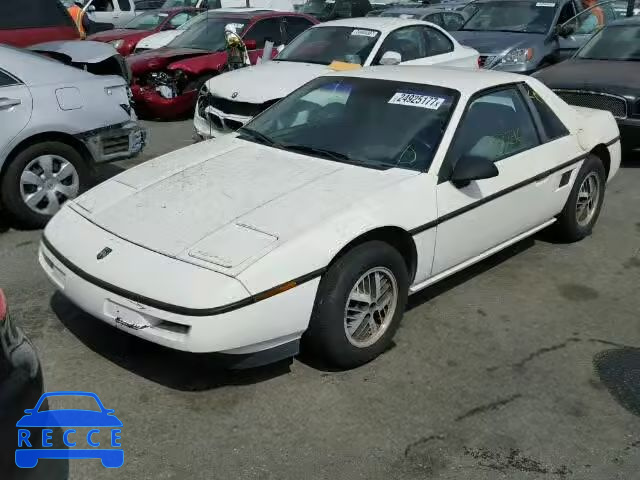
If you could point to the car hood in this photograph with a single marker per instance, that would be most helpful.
(268, 81)
(69, 418)
(160, 39)
(117, 34)
(78, 52)
(613, 77)
(496, 43)
(159, 59)
(224, 202)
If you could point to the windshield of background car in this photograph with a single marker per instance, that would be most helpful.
(323, 45)
(370, 122)
(147, 21)
(180, 3)
(619, 42)
(208, 35)
(197, 19)
(318, 7)
(516, 16)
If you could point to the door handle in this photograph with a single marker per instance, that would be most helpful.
(7, 103)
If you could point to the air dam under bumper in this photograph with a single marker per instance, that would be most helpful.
(90, 284)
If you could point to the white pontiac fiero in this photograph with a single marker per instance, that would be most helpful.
(321, 216)
(230, 100)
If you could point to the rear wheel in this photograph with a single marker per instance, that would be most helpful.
(583, 206)
(40, 179)
(359, 305)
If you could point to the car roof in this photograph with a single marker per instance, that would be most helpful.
(466, 81)
(174, 10)
(383, 24)
(251, 14)
(419, 10)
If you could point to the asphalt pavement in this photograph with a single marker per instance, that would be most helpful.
(527, 367)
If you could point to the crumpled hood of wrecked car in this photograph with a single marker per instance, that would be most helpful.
(222, 203)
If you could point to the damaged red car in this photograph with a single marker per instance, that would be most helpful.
(166, 81)
(126, 38)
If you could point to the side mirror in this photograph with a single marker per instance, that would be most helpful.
(390, 58)
(471, 167)
(251, 44)
(91, 8)
(565, 30)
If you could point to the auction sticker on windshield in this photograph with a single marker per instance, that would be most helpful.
(364, 33)
(416, 100)
(545, 4)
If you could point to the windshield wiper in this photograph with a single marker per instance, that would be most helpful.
(257, 136)
(332, 155)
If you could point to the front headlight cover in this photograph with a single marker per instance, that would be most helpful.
(117, 43)
(518, 56)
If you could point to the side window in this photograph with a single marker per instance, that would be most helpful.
(295, 26)
(103, 5)
(435, 18)
(263, 30)
(125, 5)
(510, 131)
(6, 80)
(437, 42)
(553, 126)
(343, 8)
(567, 13)
(452, 21)
(407, 41)
(180, 19)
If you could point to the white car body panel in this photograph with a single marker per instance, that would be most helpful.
(274, 80)
(158, 40)
(280, 218)
(66, 101)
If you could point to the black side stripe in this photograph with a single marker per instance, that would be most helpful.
(167, 307)
(501, 193)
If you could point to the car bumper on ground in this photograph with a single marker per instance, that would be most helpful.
(630, 134)
(201, 311)
(116, 142)
(150, 104)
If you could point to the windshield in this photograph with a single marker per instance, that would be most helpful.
(180, 3)
(620, 42)
(370, 122)
(208, 35)
(323, 45)
(147, 21)
(192, 21)
(515, 16)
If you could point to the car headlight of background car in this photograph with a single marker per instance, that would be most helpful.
(518, 56)
(117, 43)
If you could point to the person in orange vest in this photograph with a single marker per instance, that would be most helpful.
(78, 15)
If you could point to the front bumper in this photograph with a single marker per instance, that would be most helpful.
(167, 301)
(150, 104)
(116, 142)
(217, 124)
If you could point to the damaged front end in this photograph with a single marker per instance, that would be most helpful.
(165, 94)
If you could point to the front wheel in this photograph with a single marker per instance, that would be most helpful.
(39, 179)
(583, 206)
(359, 305)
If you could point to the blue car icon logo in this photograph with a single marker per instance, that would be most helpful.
(35, 431)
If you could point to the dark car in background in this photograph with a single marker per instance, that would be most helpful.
(21, 386)
(605, 74)
(29, 22)
(126, 38)
(325, 10)
(523, 36)
(450, 20)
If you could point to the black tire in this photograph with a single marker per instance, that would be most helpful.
(326, 335)
(567, 228)
(10, 194)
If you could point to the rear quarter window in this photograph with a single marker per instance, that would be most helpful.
(33, 14)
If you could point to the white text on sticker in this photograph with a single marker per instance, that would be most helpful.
(414, 100)
(545, 4)
(364, 33)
